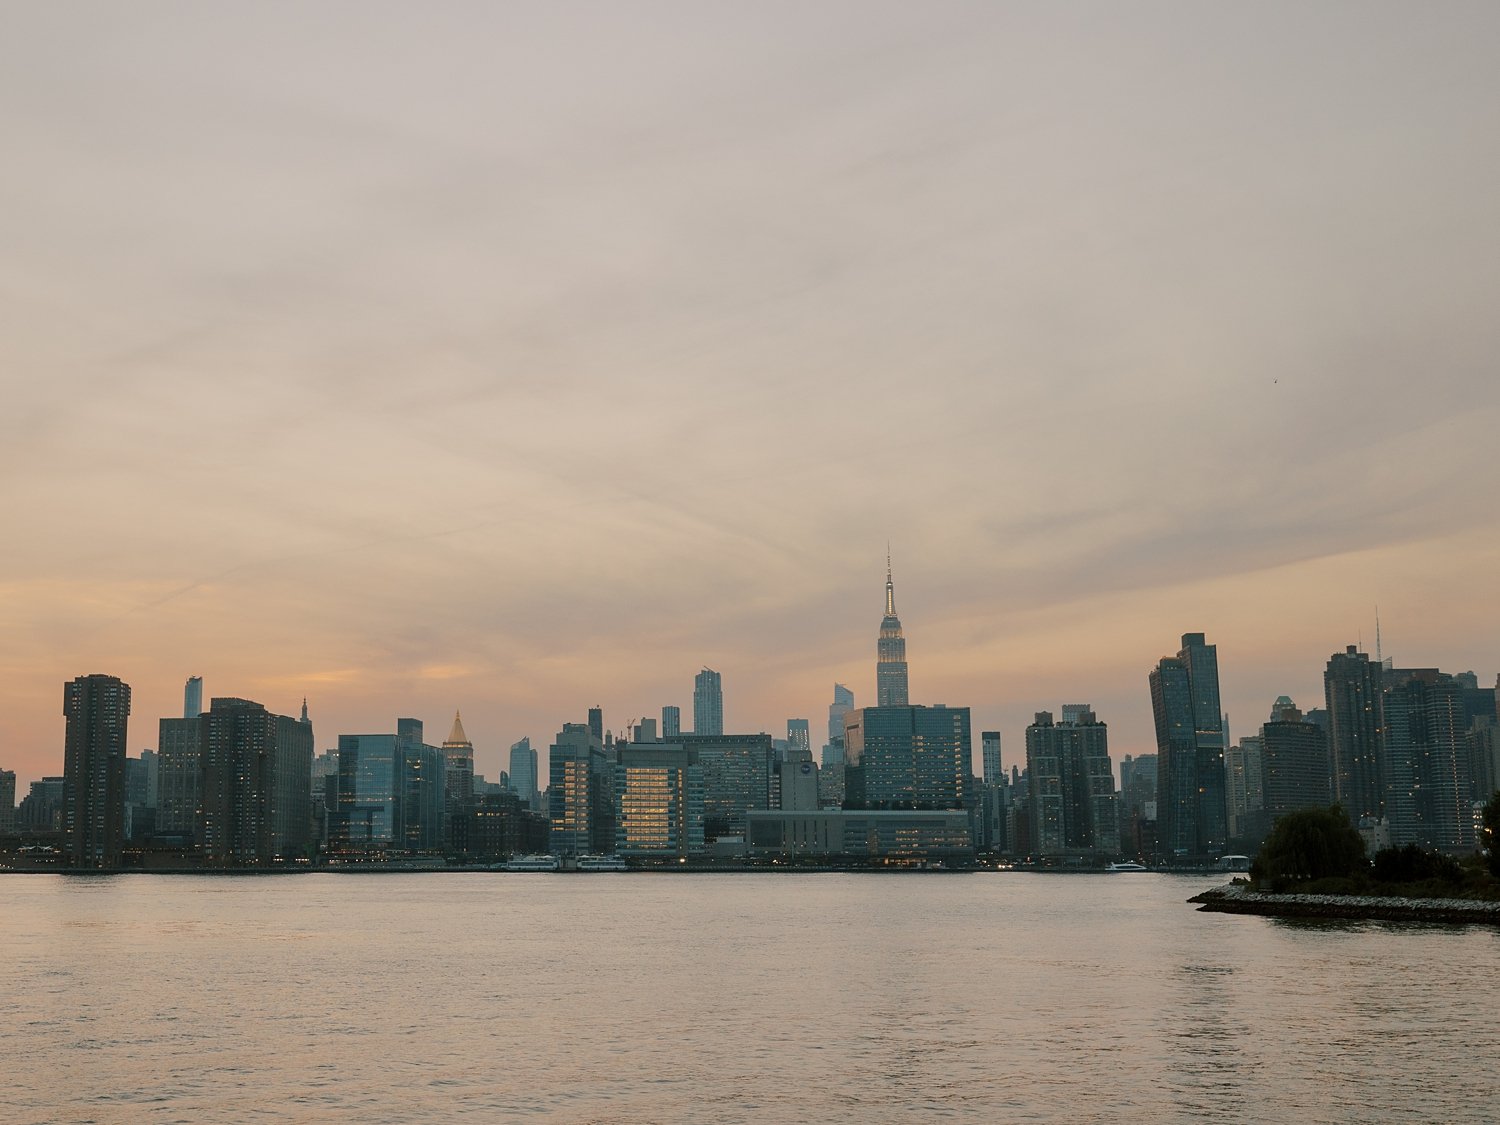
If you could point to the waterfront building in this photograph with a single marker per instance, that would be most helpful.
(708, 703)
(1192, 814)
(501, 824)
(1426, 760)
(1074, 810)
(369, 794)
(900, 835)
(7, 801)
(179, 777)
(140, 810)
(257, 778)
(425, 788)
(737, 772)
(1295, 755)
(907, 757)
(580, 793)
(890, 649)
(1352, 693)
(1244, 789)
(523, 769)
(97, 710)
(659, 801)
(40, 811)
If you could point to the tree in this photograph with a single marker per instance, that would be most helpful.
(1491, 833)
(1308, 844)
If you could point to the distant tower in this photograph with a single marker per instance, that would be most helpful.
(458, 775)
(671, 721)
(97, 709)
(596, 722)
(523, 771)
(192, 698)
(890, 667)
(798, 734)
(708, 703)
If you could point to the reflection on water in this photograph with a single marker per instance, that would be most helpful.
(725, 999)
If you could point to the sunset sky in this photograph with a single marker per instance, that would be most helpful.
(523, 357)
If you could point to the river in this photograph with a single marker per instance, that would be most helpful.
(726, 998)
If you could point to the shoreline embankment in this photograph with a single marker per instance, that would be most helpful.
(1233, 898)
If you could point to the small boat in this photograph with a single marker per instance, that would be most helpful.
(1127, 867)
(602, 863)
(534, 863)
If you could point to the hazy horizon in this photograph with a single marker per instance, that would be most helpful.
(517, 359)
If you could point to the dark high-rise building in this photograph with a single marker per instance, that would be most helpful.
(708, 703)
(392, 791)
(97, 709)
(7, 801)
(1352, 693)
(596, 723)
(907, 757)
(890, 667)
(424, 788)
(580, 793)
(257, 780)
(1071, 792)
(179, 809)
(1294, 762)
(736, 778)
(798, 734)
(41, 809)
(1192, 816)
(1426, 760)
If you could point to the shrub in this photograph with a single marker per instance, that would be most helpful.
(1413, 865)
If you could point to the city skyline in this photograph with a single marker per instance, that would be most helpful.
(457, 363)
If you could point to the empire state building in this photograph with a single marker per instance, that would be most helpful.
(890, 665)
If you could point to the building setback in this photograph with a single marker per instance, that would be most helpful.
(97, 710)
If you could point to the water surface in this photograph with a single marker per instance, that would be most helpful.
(726, 998)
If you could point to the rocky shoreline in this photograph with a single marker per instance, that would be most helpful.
(1233, 898)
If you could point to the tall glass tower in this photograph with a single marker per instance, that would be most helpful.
(708, 703)
(890, 666)
(1191, 809)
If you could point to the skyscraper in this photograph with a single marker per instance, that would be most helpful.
(671, 721)
(1294, 754)
(580, 793)
(257, 780)
(989, 743)
(708, 703)
(1352, 692)
(1073, 806)
(890, 666)
(523, 771)
(1425, 755)
(97, 709)
(907, 757)
(799, 734)
(1192, 816)
(179, 777)
(458, 773)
